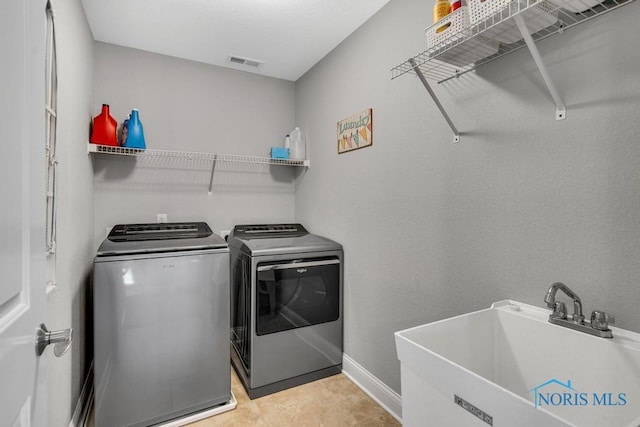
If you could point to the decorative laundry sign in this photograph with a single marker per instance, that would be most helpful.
(355, 132)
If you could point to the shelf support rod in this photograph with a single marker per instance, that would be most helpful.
(213, 169)
(416, 68)
(561, 109)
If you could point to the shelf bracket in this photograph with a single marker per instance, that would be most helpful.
(416, 68)
(213, 169)
(561, 109)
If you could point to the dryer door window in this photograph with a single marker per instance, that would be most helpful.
(296, 294)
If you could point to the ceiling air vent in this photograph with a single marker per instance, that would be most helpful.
(239, 60)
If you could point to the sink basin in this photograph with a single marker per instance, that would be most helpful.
(507, 365)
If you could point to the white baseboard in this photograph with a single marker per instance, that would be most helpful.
(81, 411)
(376, 389)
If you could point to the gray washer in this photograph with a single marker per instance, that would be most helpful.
(161, 323)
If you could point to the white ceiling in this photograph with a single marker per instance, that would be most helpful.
(289, 36)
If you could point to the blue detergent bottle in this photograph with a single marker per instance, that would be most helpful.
(135, 133)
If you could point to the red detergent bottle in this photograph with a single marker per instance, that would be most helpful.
(104, 131)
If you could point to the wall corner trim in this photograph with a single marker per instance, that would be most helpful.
(376, 389)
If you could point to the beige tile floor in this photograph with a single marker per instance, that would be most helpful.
(333, 402)
(330, 402)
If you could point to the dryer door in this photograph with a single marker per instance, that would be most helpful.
(294, 294)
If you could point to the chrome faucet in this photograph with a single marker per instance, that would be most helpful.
(600, 320)
(550, 299)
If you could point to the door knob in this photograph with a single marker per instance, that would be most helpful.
(61, 339)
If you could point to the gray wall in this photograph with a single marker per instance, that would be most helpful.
(433, 229)
(189, 106)
(67, 307)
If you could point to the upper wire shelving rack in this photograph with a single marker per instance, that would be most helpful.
(431, 63)
(441, 72)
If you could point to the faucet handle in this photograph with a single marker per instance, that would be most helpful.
(559, 311)
(601, 320)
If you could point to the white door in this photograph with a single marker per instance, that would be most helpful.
(22, 211)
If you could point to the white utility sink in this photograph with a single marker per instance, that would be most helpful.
(508, 366)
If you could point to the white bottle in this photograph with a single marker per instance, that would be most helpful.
(287, 141)
(298, 149)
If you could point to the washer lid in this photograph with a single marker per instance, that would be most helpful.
(166, 237)
(159, 231)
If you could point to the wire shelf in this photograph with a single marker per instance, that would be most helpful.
(195, 156)
(431, 61)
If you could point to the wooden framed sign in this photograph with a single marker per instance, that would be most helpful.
(355, 132)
